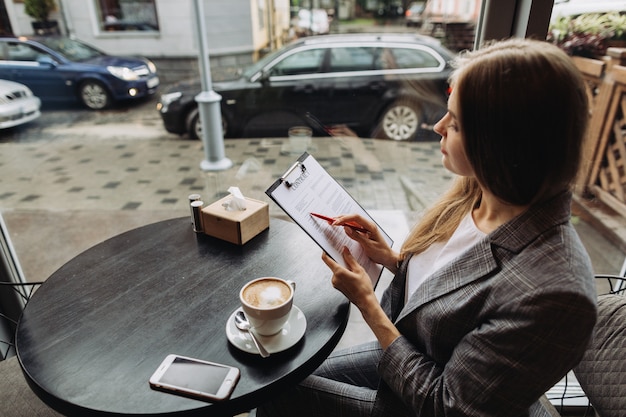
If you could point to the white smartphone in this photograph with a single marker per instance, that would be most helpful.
(196, 378)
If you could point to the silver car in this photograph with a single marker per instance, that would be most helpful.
(18, 105)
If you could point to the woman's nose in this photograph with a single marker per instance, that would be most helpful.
(439, 127)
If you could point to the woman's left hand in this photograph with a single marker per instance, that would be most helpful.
(352, 281)
(355, 284)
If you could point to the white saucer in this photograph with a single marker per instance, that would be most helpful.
(291, 334)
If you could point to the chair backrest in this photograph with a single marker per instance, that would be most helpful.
(602, 371)
(622, 273)
(13, 298)
(15, 292)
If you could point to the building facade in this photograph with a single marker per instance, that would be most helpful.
(237, 31)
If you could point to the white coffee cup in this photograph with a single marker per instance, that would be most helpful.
(299, 138)
(267, 303)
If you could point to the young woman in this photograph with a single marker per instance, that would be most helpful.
(493, 299)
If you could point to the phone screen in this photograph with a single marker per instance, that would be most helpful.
(318, 124)
(197, 376)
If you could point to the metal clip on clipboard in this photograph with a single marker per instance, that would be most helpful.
(290, 170)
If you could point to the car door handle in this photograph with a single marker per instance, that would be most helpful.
(377, 86)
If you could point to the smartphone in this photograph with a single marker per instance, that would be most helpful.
(317, 123)
(195, 378)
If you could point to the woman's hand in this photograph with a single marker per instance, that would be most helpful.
(341, 130)
(356, 285)
(373, 243)
(353, 281)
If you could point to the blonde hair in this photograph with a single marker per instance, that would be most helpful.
(523, 115)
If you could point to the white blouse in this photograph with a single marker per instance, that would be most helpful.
(439, 254)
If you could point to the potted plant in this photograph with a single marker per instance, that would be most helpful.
(40, 11)
(588, 35)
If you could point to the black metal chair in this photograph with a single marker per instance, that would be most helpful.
(616, 284)
(13, 299)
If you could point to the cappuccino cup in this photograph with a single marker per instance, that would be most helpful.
(267, 303)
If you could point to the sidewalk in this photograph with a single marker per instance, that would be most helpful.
(61, 197)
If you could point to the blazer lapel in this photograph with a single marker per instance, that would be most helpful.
(480, 260)
(393, 297)
(473, 264)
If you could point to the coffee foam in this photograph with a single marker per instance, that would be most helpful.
(267, 293)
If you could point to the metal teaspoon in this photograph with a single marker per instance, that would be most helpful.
(243, 324)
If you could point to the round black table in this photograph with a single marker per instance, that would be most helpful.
(95, 331)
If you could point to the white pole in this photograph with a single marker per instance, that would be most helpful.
(209, 105)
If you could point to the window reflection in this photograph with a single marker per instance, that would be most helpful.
(351, 59)
(414, 58)
(19, 52)
(128, 15)
(304, 62)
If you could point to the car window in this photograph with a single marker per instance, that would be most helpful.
(352, 59)
(22, 52)
(406, 58)
(303, 62)
(71, 49)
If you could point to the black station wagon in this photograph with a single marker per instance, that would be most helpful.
(391, 86)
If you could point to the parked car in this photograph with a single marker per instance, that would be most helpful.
(413, 15)
(379, 85)
(18, 105)
(60, 69)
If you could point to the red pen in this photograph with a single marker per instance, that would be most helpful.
(331, 220)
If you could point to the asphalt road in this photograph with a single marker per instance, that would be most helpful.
(127, 120)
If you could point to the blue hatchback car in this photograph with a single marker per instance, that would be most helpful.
(60, 69)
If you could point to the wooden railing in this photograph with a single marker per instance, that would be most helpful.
(603, 176)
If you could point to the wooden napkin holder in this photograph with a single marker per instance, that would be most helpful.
(236, 226)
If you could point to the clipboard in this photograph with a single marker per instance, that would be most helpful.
(305, 188)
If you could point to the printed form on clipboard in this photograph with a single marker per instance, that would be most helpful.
(305, 188)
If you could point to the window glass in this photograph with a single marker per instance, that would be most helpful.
(405, 58)
(303, 62)
(71, 49)
(351, 59)
(127, 15)
(21, 52)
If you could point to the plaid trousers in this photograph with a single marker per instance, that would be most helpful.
(344, 385)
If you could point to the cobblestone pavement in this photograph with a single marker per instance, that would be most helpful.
(159, 174)
(65, 195)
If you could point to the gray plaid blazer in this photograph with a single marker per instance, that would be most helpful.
(492, 331)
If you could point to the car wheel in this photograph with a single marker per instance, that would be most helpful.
(94, 95)
(194, 125)
(400, 121)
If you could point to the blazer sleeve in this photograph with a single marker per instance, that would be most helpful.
(499, 368)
